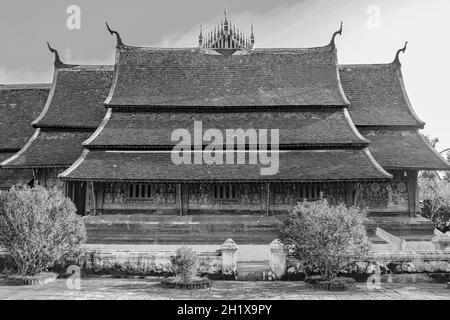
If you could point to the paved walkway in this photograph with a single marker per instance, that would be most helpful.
(150, 288)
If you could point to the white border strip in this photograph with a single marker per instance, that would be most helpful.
(75, 165)
(49, 98)
(405, 95)
(353, 126)
(376, 164)
(24, 148)
(99, 129)
(115, 78)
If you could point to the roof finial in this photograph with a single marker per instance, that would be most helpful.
(200, 37)
(252, 38)
(339, 32)
(402, 50)
(112, 32)
(58, 63)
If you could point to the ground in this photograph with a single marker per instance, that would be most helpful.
(150, 289)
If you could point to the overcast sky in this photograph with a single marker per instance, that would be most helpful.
(373, 31)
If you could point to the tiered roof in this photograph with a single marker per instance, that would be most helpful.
(377, 95)
(341, 165)
(382, 112)
(73, 110)
(152, 130)
(19, 106)
(153, 77)
(156, 91)
(76, 98)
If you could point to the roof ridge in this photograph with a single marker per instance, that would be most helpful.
(25, 86)
(91, 67)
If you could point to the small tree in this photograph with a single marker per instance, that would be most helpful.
(39, 228)
(435, 196)
(321, 234)
(185, 263)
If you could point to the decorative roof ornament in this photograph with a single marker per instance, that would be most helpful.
(226, 38)
(200, 37)
(402, 50)
(119, 39)
(58, 63)
(339, 32)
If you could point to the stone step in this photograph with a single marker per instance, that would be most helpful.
(253, 270)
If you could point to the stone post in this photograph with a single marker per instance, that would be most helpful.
(278, 259)
(441, 241)
(229, 255)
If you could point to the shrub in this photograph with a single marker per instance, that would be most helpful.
(435, 197)
(39, 228)
(321, 234)
(185, 263)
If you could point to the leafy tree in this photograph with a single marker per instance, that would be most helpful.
(321, 234)
(39, 228)
(435, 197)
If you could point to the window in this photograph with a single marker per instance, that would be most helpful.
(310, 191)
(139, 191)
(224, 192)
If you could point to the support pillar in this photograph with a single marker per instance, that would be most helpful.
(94, 200)
(229, 255)
(268, 199)
(412, 192)
(180, 200)
(278, 263)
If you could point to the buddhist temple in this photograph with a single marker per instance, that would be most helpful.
(105, 137)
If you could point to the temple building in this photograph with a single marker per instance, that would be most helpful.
(19, 106)
(72, 111)
(107, 134)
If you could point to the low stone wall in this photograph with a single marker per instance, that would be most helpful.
(120, 262)
(146, 263)
(408, 262)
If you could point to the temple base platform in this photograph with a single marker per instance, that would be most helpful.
(215, 229)
(169, 229)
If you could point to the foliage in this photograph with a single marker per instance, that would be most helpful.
(185, 264)
(321, 234)
(39, 228)
(435, 197)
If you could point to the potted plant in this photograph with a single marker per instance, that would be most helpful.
(185, 264)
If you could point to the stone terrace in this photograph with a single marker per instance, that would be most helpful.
(150, 289)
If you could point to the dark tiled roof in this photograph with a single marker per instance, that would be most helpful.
(377, 95)
(19, 106)
(404, 150)
(77, 97)
(49, 149)
(189, 77)
(9, 178)
(328, 165)
(300, 128)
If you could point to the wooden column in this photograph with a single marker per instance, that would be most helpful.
(180, 199)
(94, 200)
(268, 199)
(349, 188)
(412, 192)
(185, 199)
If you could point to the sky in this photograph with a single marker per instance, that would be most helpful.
(373, 32)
